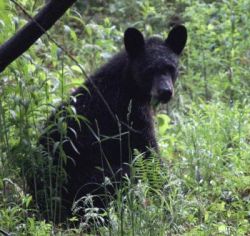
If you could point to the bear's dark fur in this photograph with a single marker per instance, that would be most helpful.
(110, 116)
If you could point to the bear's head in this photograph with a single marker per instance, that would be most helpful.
(154, 62)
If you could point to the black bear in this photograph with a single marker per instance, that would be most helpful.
(93, 135)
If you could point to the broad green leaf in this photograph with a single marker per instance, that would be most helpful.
(163, 122)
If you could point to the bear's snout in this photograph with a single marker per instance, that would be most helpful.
(164, 95)
(162, 90)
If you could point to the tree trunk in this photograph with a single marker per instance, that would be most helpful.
(33, 30)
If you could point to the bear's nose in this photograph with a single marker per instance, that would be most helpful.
(164, 95)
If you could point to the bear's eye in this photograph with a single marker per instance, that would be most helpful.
(149, 72)
(169, 69)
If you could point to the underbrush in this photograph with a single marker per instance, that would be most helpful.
(202, 187)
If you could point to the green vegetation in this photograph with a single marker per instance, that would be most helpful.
(203, 187)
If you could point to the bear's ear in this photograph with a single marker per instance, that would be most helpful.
(133, 41)
(177, 38)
